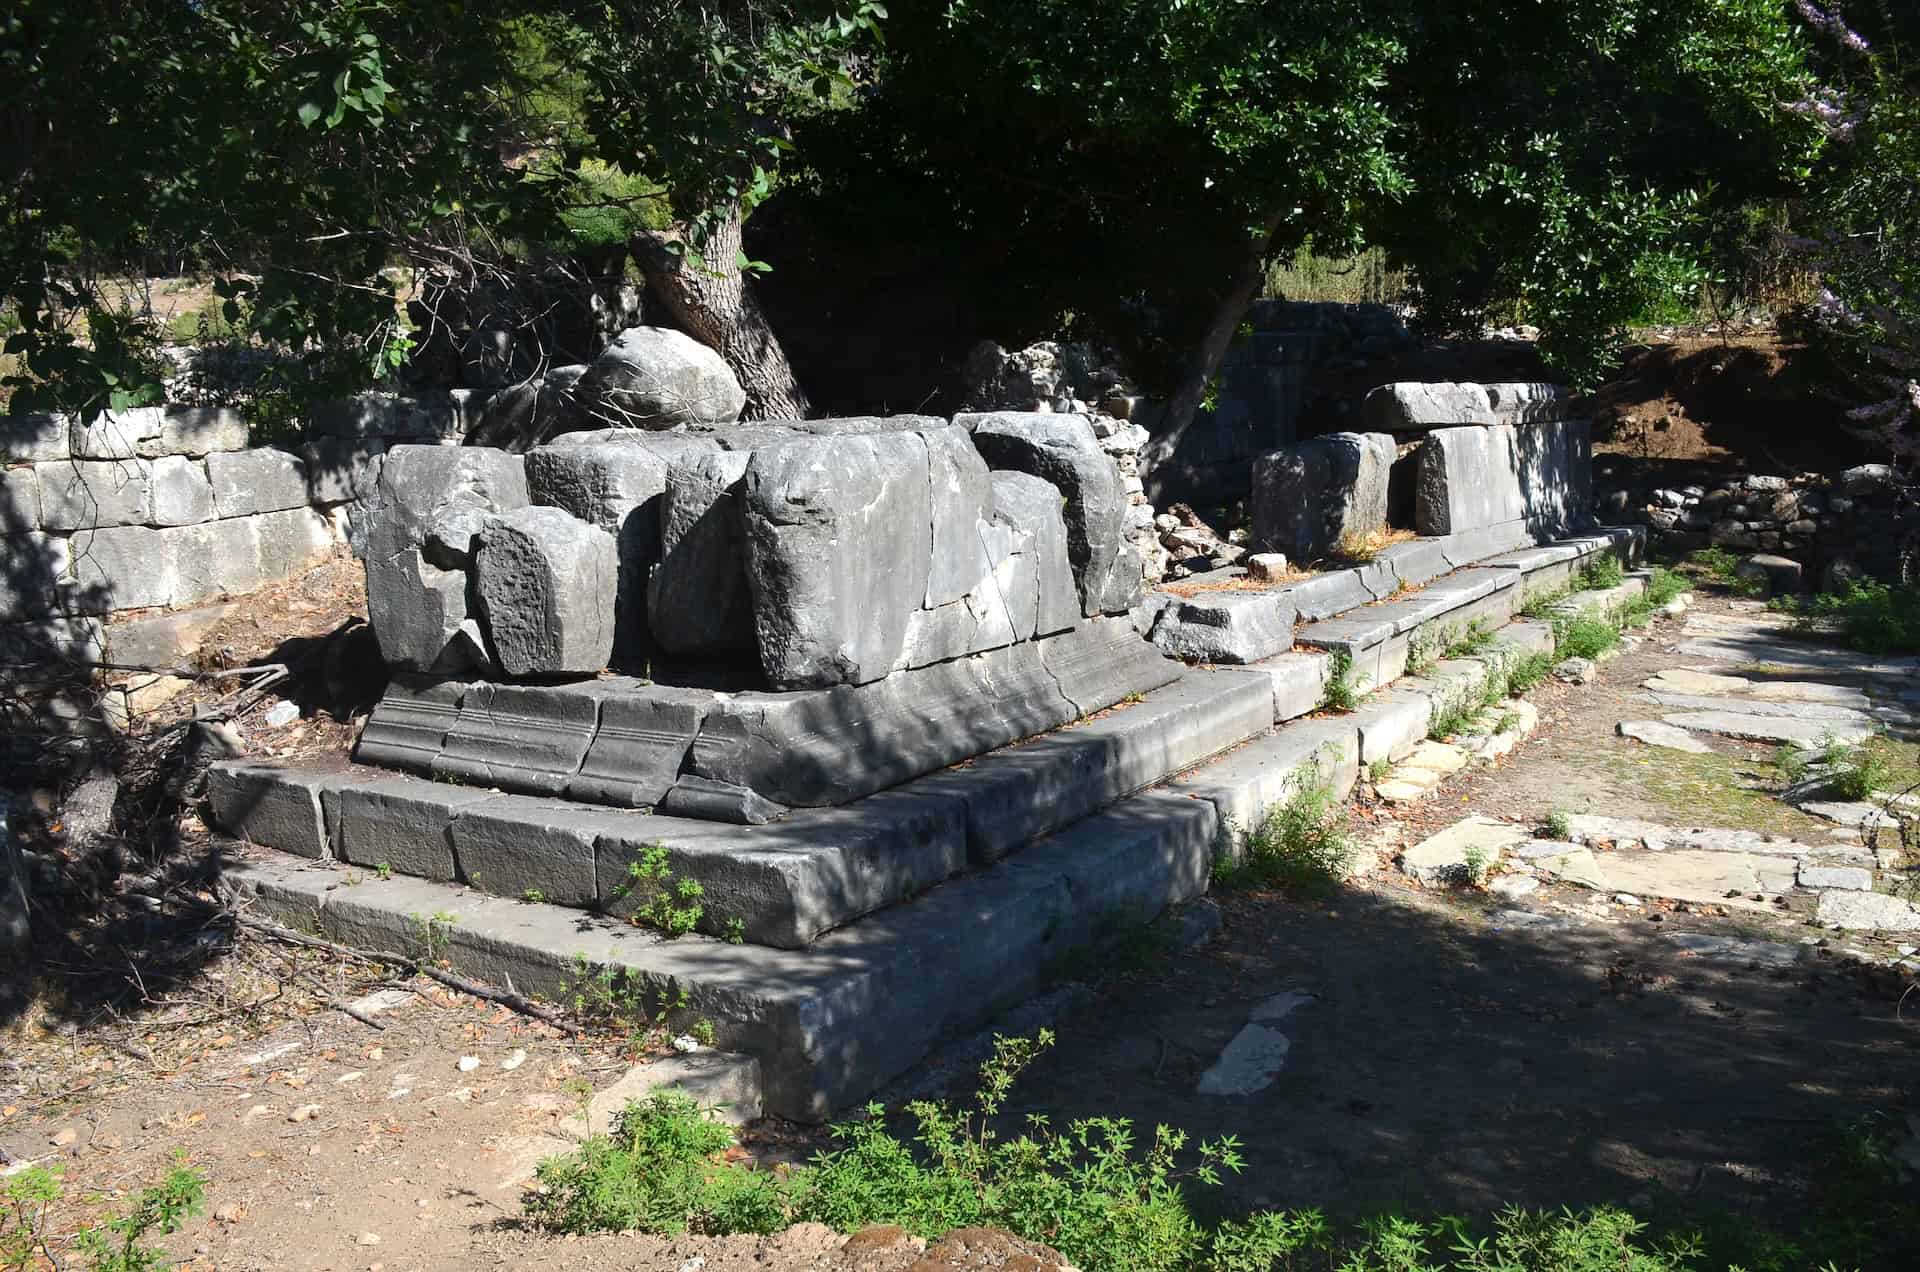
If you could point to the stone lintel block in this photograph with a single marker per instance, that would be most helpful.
(527, 738)
(400, 822)
(254, 481)
(642, 743)
(278, 805)
(1412, 406)
(1525, 402)
(409, 727)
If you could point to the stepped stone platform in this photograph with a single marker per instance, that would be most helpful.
(930, 900)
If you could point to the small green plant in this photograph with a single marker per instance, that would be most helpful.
(614, 999)
(1304, 846)
(1790, 762)
(1541, 605)
(1477, 863)
(659, 899)
(1133, 699)
(1718, 564)
(703, 1031)
(1853, 772)
(1527, 673)
(384, 870)
(533, 896)
(1343, 689)
(1665, 585)
(1603, 572)
(1559, 825)
(1378, 770)
(117, 1244)
(1422, 651)
(1507, 723)
(1476, 639)
(1583, 636)
(1872, 616)
(1452, 720)
(430, 934)
(735, 931)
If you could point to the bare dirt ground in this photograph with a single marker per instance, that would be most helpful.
(1441, 1057)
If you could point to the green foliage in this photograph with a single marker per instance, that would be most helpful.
(1719, 563)
(1343, 690)
(1790, 762)
(1452, 720)
(1305, 845)
(615, 999)
(1476, 639)
(1665, 585)
(1584, 636)
(1527, 673)
(659, 899)
(1540, 605)
(1601, 573)
(1477, 862)
(1852, 772)
(608, 207)
(1559, 825)
(116, 1244)
(1872, 616)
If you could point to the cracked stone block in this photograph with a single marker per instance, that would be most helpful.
(837, 557)
(273, 804)
(402, 823)
(981, 618)
(1410, 406)
(708, 800)
(253, 481)
(431, 502)
(1036, 506)
(645, 734)
(1308, 497)
(657, 378)
(1526, 402)
(1448, 856)
(519, 737)
(1063, 450)
(698, 597)
(961, 501)
(182, 495)
(1866, 912)
(547, 582)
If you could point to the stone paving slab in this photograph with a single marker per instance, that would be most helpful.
(1443, 857)
(1670, 736)
(1758, 728)
(1866, 912)
(1759, 707)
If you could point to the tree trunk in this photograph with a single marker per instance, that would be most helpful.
(715, 304)
(1242, 285)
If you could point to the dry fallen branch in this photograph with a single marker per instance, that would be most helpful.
(505, 997)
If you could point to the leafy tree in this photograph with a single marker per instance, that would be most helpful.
(1506, 149)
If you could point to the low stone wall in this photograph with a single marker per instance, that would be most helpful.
(1865, 520)
(169, 508)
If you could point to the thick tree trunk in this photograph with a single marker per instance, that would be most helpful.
(714, 303)
(1240, 287)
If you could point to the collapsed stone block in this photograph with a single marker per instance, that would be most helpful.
(416, 607)
(962, 505)
(642, 742)
(1528, 402)
(518, 738)
(1063, 450)
(1306, 498)
(837, 559)
(545, 581)
(655, 378)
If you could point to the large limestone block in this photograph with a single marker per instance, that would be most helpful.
(19, 500)
(1554, 461)
(182, 495)
(34, 582)
(123, 567)
(989, 615)
(1467, 478)
(1035, 506)
(214, 559)
(620, 488)
(1411, 406)
(253, 481)
(1526, 402)
(1062, 449)
(34, 439)
(430, 503)
(546, 582)
(1306, 498)
(291, 540)
(120, 434)
(839, 544)
(85, 494)
(651, 377)
(698, 600)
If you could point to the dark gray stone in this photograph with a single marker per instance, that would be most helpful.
(1327, 595)
(1126, 582)
(1036, 506)
(403, 823)
(981, 619)
(547, 582)
(1467, 478)
(698, 600)
(409, 726)
(642, 743)
(1102, 662)
(708, 800)
(512, 846)
(655, 378)
(417, 608)
(1415, 563)
(837, 559)
(1062, 449)
(511, 419)
(248, 482)
(1554, 461)
(519, 738)
(273, 804)
(19, 500)
(1307, 498)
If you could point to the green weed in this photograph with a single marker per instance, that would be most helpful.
(1527, 673)
(1872, 616)
(1477, 638)
(1559, 825)
(1853, 772)
(1343, 689)
(1665, 585)
(1583, 636)
(658, 899)
(1601, 573)
(116, 1244)
(1304, 846)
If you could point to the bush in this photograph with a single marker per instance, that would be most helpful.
(1872, 616)
(1343, 689)
(1665, 585)
(1603, 572)
(1584, 636)
(1304, 846)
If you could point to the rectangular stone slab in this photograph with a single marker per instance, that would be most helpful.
(409, 725)
(1018, 793)
(399, 822)
(1102, 661)
(274, 805)
(527, 738)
